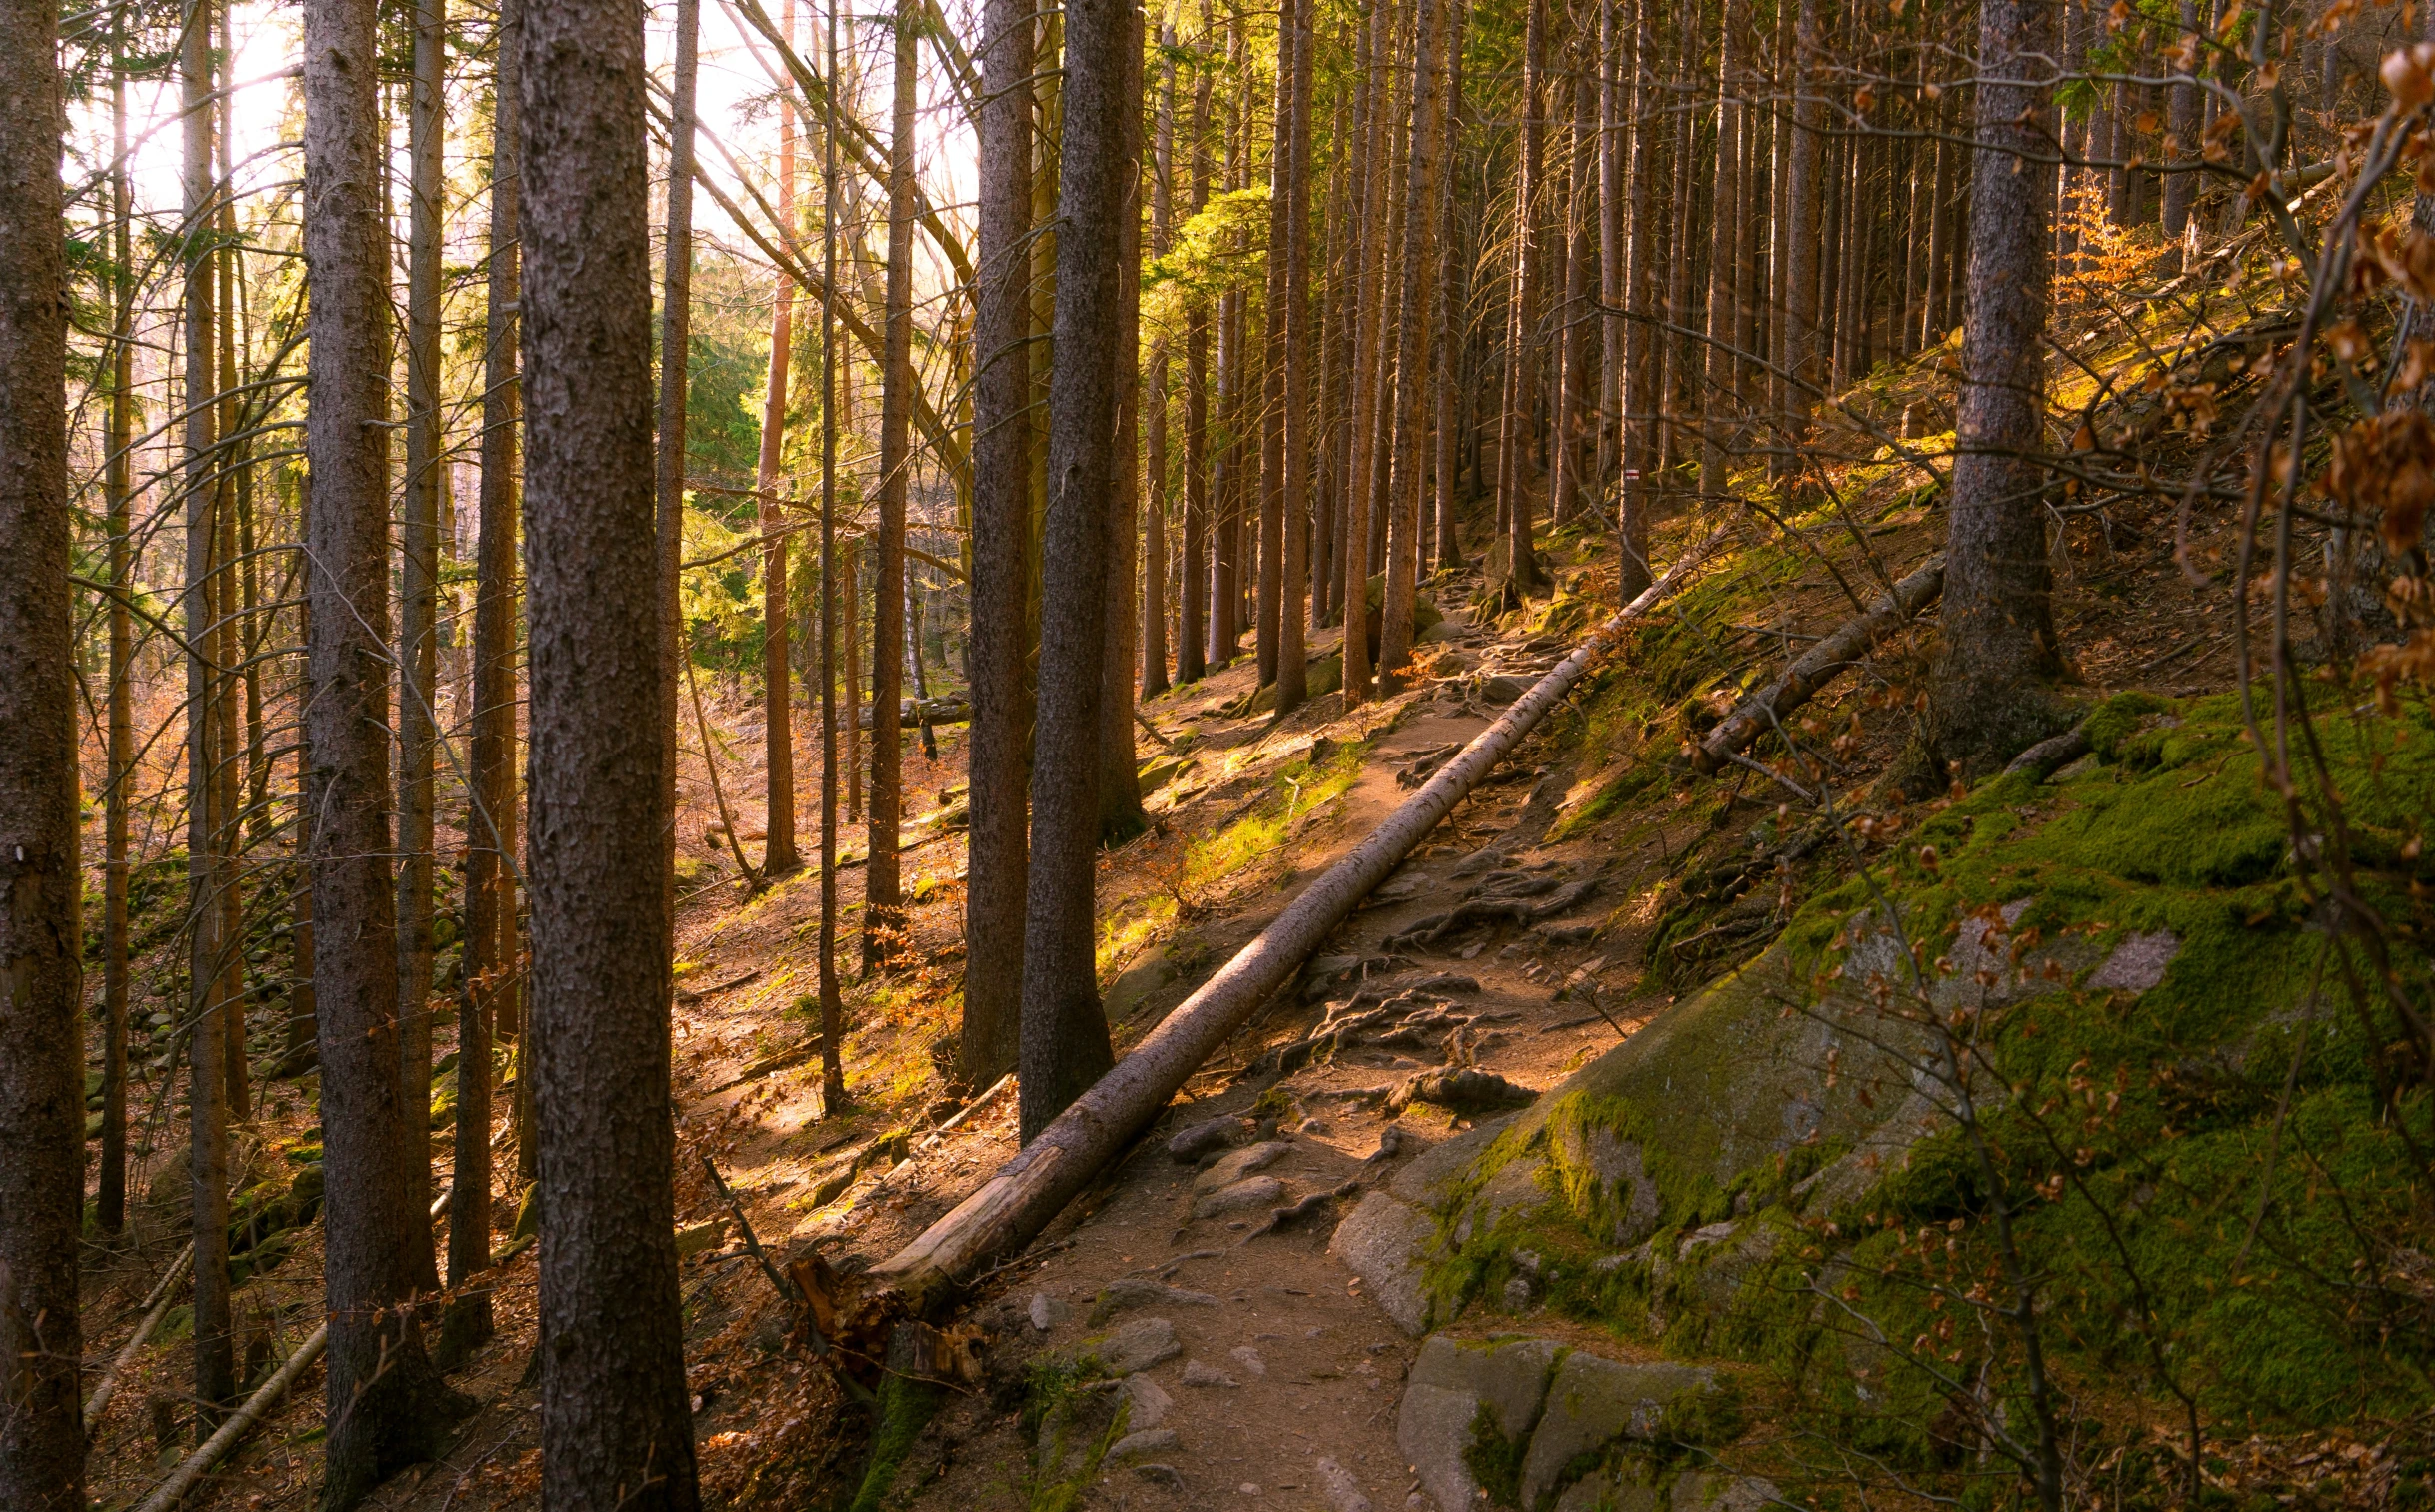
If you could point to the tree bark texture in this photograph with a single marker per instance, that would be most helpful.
(42, 1106)
(1002, 382)
(1986, 701)
(779, 855)
(882, 915)
(1065, 1038)
(616, 1424)
(1412, 364)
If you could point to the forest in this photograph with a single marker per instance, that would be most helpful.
(1560, 754)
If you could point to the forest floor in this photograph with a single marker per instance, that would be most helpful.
(1279, 1366)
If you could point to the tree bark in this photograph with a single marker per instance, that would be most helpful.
(1154, 527)
(1717, 436)
(1120, 783)
(1273, 363)
(1640, 399)
(1065, 1038)
(1447, 369)
(42, 1436)
(1293, 674)
(616, 1425)
(779, 855)
(387, 1406)
(883, 909)
(995, 870)
(1006, 482)
(1987, 699)
(110, 1194)
(417, 616)
(207, 1055)
(1529, 188)
(1368, 362)
(1412, 364)
(1192, 636)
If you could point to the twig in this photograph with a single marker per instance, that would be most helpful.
(787, 1290)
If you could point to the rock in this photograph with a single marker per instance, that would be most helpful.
(1148, 1441)
(1136, 1345)
(1718, 1491)
(1593, 1401)
(1505, 688)
(1189, 1144)
(1132, 1292)
(2138, 965)
(1046, 1311)
(1249, 1358)
(1433, 1426)
(1233, 1167)
(1259, 1191)
(769, 1331)
(1134, 989)
(1197, 1375)
(1463, 1090)
(1381, 1241)
(1443, 629)
(1509, 1376)
(1620, 1180)
(1430, 1179)
(1149, 1401)
(692, 1242)
(1518, 1294)
(1514, 1188)
(1616, 1490)
(1160, 1475)
(1343, 1490)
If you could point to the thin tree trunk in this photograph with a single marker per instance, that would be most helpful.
(1119, 781)
(1065, 1038)
(1578, 407)
(1449, 318)
(1718, 436)
(42, 1438)
(418, 617)
(387, 1406)
(882, 911)
(616, 1428)
(2183, 128)
(779, 855)
(207, 1086)
(1529, 188)
(1153, 537)
(1641, 397)
(1191, 650)
(1677, 384)
(1986, 699)
(1614, 152)
(1292, 673)
(994, 872)
(1353, 541)
(110, 1194)
(1271, 585)
(1414, 366)
(1003, 482)
(1801, 271)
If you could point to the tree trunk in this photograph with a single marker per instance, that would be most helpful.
(882, 911)
(1615, 131)
(109, 1194)
(2182, 126)
(1986, 701)
(1006, 483)
(1414, 365)
(1448, 317)
(994, 872)
(1065, 1038)
(1120, 781)
(779, 855)
(1272, 362)
(1154, 527)
(1717, 438)
(616, 1424)
(207, 1086)
(1522, 561)
(1677, 384)
(1192, 630)
(1639, 399)
(1353, 541)
(1292, 673)
(42, 1437)
(387, 1407)
(417, 616)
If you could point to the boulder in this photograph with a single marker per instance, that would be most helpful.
(1381, 1241)
(1240, 1197)
(1593, 1401)
(1133, 1346)
(1233, 1167)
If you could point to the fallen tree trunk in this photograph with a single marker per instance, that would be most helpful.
(1818, 666)
(1018, 1201)
(156, 1307)
(245, 1419)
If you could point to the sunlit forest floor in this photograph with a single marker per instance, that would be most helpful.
(1278, 1359)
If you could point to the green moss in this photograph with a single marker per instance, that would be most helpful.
(1495, 1461)
(904, 1407)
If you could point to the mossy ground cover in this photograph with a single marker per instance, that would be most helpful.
(2211, 1185)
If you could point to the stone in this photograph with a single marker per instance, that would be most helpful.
(1381, 1241)
(1197, 1375)
(1160, 1475)
(1436, 1425)
(1609, 1491)
(1243, 1196)
(1721, 1491)
(1149, 1399)
(1148, 1441)
(1518, 1294)
(1514, 1188)
(1505, 688)
(1189, 1144)
(1045, 1311)
(1620, 1181)
(1249, 1358)
(1234, 1166)
(2138, 965)
(1593, 1401)
(702, 1236)
(1431, 1176)
(1127, 1292)
(1342, 1488)
(1136, 1345)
